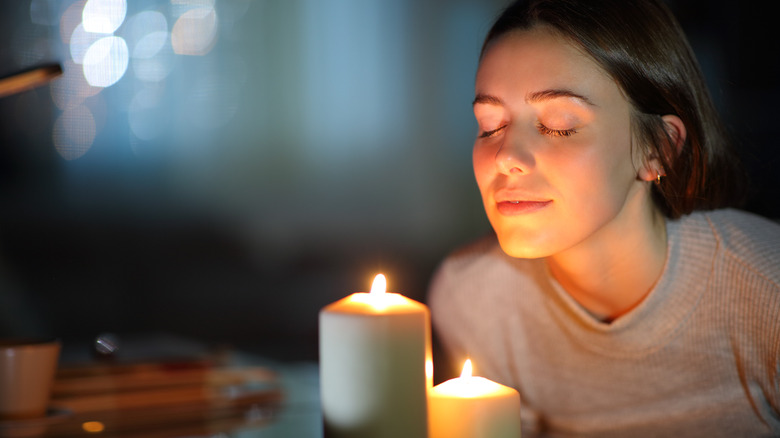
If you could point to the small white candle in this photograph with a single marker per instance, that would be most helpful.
(473, 407)
(374, 351)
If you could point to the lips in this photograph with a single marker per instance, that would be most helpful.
(513, 201)
(513, 208)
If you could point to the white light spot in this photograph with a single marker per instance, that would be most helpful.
(105, 61)
(80, 42)
(195, 32)
(149, 42)
(103, 16)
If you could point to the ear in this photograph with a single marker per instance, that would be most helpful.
(676, 134)
(675, 130)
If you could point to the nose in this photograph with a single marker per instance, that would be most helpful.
(514, 157)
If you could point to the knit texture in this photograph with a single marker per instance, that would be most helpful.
(699, 356)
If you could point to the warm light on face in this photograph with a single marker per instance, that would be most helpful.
(547, 193)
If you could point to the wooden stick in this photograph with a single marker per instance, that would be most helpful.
(28, 79)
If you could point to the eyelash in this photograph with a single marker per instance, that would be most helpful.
(555, 132)
(542, 130)
(488, 134)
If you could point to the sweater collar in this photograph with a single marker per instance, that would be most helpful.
(656, 320)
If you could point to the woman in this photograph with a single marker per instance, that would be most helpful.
(620, 295)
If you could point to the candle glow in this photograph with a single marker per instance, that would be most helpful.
(374, 350)
(472, 406)
(379, 299)
(469, 386)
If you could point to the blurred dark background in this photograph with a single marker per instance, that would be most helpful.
(222, 170)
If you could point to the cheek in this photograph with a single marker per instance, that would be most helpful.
(484, 162)
(599, 179)
(604, 166)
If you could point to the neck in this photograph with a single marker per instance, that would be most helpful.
(613, 270)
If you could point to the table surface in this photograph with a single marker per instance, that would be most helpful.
(194, 393)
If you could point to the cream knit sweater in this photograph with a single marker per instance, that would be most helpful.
(700, 356)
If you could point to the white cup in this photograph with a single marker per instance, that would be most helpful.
(27, 371)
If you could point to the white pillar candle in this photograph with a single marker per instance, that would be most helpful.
(374, 354)
(473, 407)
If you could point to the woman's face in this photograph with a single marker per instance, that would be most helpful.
(553, 157)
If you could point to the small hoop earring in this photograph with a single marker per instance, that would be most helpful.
(658, 177)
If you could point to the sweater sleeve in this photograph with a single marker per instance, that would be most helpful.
(455, 286)
(445, 315)
(750, 269)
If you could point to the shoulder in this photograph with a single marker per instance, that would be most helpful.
(471, 256)
(462, 265)
(474, 272)
(744, 238)
(742, 275)
(736, 228)
(747, 271)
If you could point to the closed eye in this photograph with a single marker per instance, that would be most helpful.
(488, 134)
(555, 132)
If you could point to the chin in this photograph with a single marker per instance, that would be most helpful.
(522, 249)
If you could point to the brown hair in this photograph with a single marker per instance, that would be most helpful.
(640, 44)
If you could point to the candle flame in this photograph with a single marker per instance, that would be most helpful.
(380, 284)
(466, 369)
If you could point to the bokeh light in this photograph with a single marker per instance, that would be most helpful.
(74, 132)
(80, 42)
(142, 24)
(104, 16)
(70, 20)
(99, 108)
(71, 89)
(106, 61)
(195, 32)
(93, 426)
(150, 45)
(157, 67)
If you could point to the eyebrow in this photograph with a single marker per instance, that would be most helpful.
(541, 96)
(487, 99)
(534, 97)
